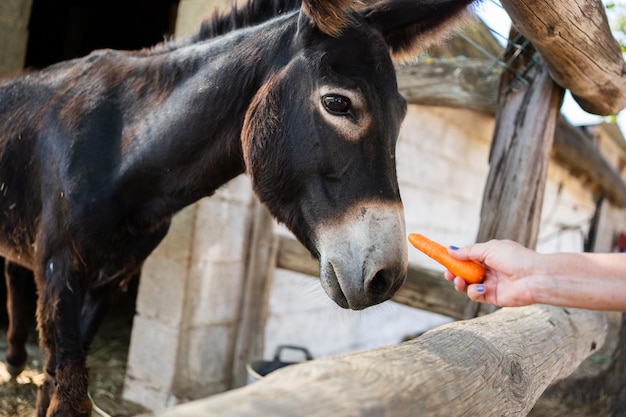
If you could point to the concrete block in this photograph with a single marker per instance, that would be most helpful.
(152, 397)
(204, 368)
(165, 273)
(237, 190)
(221, 230)
(162, 290)
(336, 331)
(177, 245)
(152, 354)
(214, 293)
(293, 292)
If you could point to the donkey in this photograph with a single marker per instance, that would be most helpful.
(98, 153)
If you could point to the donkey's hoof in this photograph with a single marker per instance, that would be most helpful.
(15, 370)
(57, 408)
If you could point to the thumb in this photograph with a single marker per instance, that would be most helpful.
(458, 253)
(475, 252)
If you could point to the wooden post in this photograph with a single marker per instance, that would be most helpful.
(262, 251)
(520, 152)
(523, 138)
(490, 366)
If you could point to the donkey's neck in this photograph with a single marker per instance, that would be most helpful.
(190, 127)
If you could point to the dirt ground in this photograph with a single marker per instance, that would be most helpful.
(106, 361)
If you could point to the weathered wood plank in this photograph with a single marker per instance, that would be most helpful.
(455, 82)
(424, 289)
(491, 366)
(520, 154)
(294, 256)
(576, 43)
(262, 252)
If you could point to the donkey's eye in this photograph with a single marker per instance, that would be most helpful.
(336, 104)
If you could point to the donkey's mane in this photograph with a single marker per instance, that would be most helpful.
(331, 16)
(252, 12)
(220, 22)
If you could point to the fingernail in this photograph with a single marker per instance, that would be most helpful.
(454, 247)
(480, 288)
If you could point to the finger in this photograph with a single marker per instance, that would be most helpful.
(448, 275)
(460, 285)
(476, 292)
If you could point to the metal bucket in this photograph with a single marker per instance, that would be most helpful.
(259, 369)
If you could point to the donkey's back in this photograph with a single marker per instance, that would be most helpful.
(42, 121)
(74, 139)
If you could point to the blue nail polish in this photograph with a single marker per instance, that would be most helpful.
(480, 288)
(454, 247)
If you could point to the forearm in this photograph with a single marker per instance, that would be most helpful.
(594, 281)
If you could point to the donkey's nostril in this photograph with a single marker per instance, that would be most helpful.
(378, 284)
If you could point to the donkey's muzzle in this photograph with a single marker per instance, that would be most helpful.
(349, 290)
(383, 285)
(363, 257)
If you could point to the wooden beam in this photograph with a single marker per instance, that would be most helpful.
(490, 366)
(455, 82)
(576, 43)
(574, 149)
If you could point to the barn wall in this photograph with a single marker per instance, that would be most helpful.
(567, 213)
(189, 300)
(612, 220)
(14, 16)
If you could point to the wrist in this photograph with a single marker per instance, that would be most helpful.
(540, 280)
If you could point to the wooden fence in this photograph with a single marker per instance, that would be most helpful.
(494, 365)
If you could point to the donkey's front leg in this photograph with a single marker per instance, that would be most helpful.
(17, 332)
(64, 393)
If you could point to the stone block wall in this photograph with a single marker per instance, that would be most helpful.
(189, 303)
(14, 16)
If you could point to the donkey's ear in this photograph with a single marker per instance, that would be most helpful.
(329, 16)
(410, 25)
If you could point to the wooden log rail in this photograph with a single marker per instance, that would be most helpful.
(575, 41)
(494, 365)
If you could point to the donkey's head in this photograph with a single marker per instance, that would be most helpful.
(319, 141)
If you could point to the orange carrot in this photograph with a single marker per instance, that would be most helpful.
(471, 271)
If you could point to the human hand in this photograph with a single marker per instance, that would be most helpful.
(510, 271)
